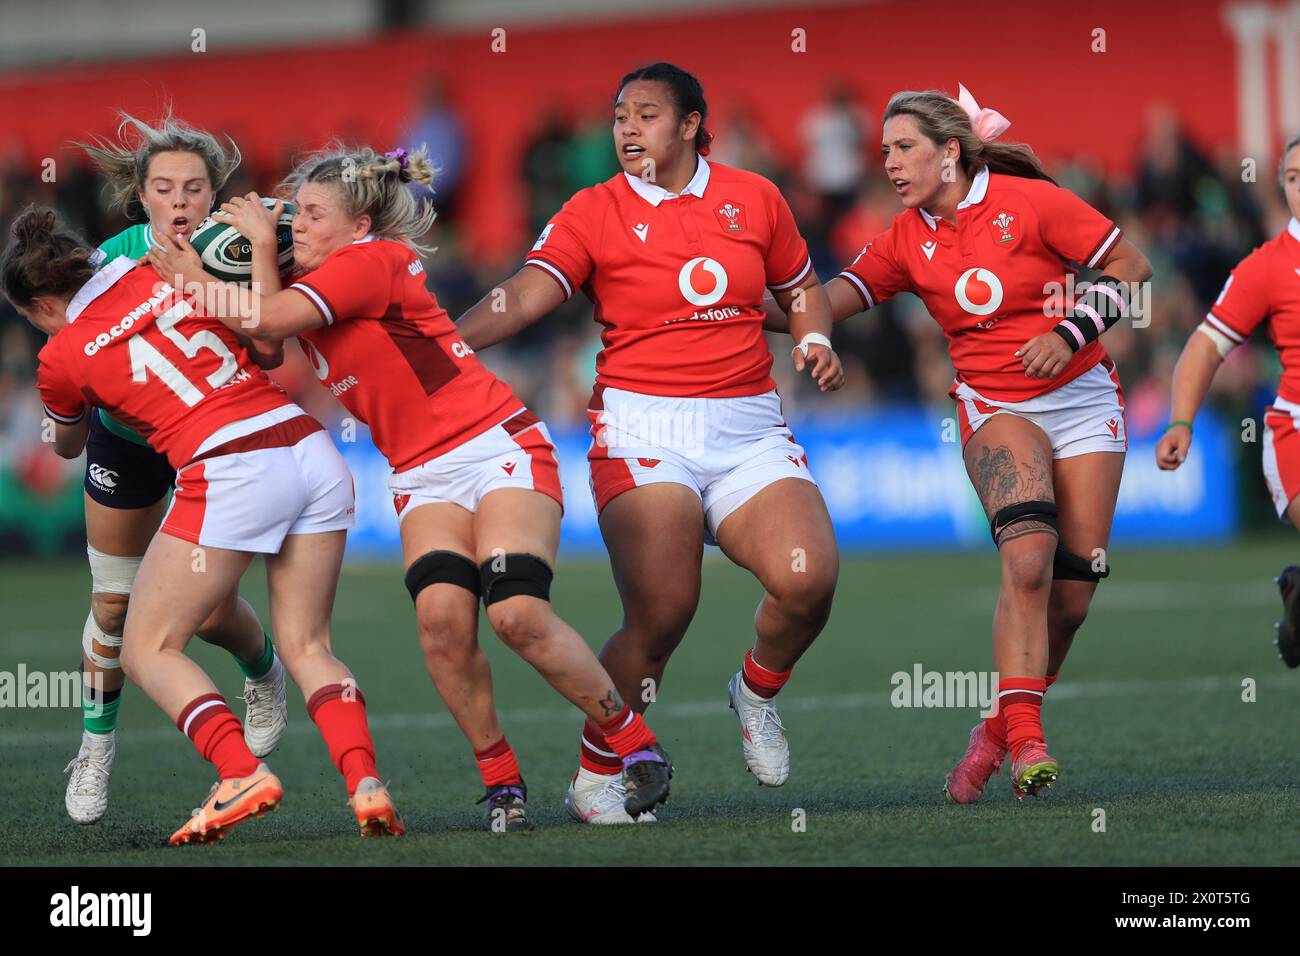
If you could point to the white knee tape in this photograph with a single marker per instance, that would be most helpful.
(92, 633)
(110, 574)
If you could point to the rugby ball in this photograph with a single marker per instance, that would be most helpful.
(227, 255)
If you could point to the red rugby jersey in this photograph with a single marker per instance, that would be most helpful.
(678, 280)
(987, 279)
(143, 352)
(393, 357)
(1265, 287)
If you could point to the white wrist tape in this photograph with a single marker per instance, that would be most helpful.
(812, 338)
(110, 574)
(1221, 342)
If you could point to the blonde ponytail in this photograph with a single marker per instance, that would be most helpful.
(374, 185)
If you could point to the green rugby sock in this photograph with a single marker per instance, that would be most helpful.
(99, 710)
(258, 668)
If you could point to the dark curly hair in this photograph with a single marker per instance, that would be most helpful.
(43, 259)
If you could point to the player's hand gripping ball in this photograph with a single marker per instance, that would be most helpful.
(224, 241)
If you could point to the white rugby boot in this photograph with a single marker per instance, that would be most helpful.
(87, 796)
(267, 713)
(598, 798)
(762, 735)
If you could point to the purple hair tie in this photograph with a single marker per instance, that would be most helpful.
(400, 155)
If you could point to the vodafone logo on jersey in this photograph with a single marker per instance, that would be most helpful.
(322, 369)
(689, 281)
(978, 291)
(318, 363)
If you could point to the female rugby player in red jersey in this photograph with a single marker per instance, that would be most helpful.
(174, 171)
(475, 483)
(689, 443)
(255, 475)
(1263, 289)
(985, 235)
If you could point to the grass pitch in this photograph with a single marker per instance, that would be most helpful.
(1149, 723)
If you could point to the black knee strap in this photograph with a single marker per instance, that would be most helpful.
(1068, 566)
(518, 574)
(442, 567)
(1044, 511)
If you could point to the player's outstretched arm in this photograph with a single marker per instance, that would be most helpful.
(509, 308)
(269, 318)
(1195, 370)
(844, 303)
(809, 310)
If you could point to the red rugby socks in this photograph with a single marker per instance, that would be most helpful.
(497, 765)
(1021, 701)
(626, 733)
(595, 755)
(761, 681)
(340, 714)
(217, 735)
(995, 725)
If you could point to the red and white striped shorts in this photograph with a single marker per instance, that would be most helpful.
(254, 482)
(518, 453)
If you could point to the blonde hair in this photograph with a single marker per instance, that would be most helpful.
(373, 185)
(125, 160)
(941, 118)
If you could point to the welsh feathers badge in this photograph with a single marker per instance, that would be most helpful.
(732, 217)
(1005, 227)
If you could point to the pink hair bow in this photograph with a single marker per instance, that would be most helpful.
(988, 124)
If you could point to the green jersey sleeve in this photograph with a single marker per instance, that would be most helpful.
(132, 242)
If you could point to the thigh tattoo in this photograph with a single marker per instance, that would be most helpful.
(1000, 481)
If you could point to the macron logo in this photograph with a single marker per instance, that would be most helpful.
(641, 229)
(103, 909)
(928, 248)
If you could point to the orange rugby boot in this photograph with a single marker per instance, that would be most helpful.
(230, 802)
(376, 813)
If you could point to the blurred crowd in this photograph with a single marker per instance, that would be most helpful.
(1187, 206)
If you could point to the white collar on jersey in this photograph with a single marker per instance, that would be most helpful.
(978, 187)
(99, 283)
(368, 237)
(1293, 227)
(654, 194)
